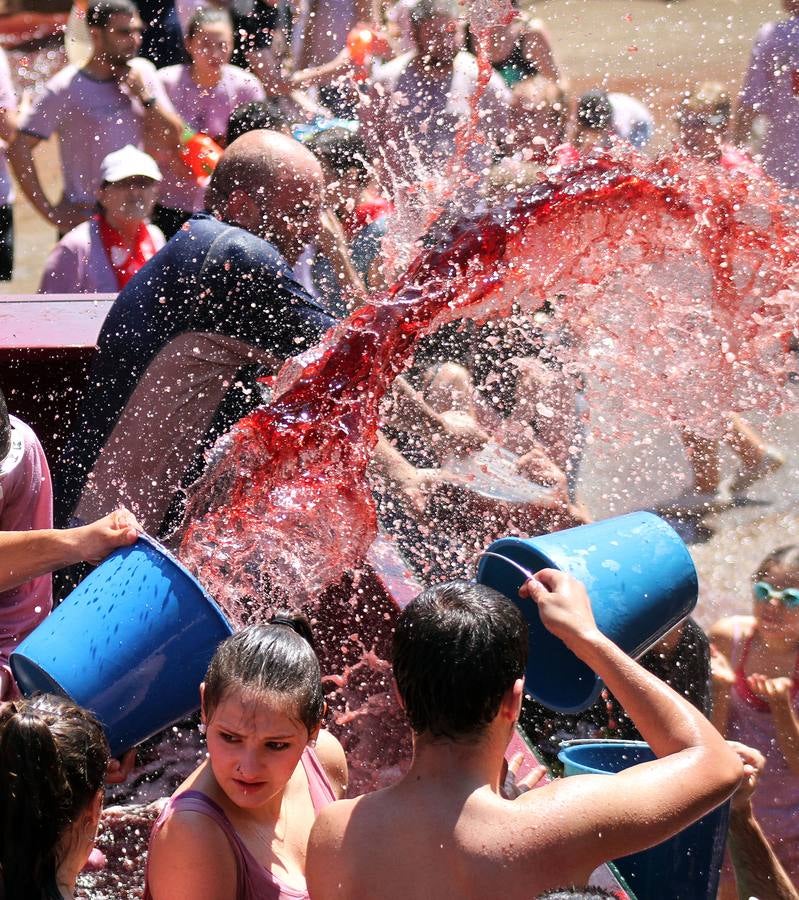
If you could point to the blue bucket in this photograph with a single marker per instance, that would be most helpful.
(689, 863)
(641, 581)
(131, 643)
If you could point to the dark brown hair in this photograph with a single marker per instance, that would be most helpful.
(275, 658)
(53, 760)
(786, 557)
(458, 647)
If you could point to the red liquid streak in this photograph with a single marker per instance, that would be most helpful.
(289, 505)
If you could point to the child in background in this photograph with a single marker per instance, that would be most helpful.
(238, 826)
(756, 694)
(53, 762)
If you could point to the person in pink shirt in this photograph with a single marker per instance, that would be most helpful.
(238, 826)
(29, 547)
(771, 90)
(204, 93)
(114, 100)
(26, 502)
(104, 253)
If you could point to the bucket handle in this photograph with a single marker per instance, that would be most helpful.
(511, 562)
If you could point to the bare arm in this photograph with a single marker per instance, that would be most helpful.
(20, 156)
(448, 438)
(190, 859)
(28, 554)
(695, 771)
(758, 872)
(538, 49)
(8, 125)
(333, 244)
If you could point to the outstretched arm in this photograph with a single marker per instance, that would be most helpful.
(648, 803)
(28, 554)
(758, 872)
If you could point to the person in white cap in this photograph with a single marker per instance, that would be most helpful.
(104, 253)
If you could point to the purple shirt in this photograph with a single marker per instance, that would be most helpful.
(8, 101)
(206, 110)
(79, 264)
(26, 503)
(771, 88)
(419, 111)
(92, 118)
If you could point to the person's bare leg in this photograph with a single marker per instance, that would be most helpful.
(703, 455)
(757, 457)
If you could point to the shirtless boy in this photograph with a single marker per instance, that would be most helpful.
(445, 829)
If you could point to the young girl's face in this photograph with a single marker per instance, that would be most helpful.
(254, 745)
(777, 611)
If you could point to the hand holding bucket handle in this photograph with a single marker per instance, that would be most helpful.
(562, 601)
(563, 605)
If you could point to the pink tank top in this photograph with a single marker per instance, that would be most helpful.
(253, 881)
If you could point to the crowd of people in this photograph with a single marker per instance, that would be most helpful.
(240, 191)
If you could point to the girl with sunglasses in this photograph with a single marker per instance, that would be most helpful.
(755, 661)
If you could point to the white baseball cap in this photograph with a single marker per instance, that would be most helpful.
(128, 163)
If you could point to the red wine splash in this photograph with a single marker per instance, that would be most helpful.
(678, 286)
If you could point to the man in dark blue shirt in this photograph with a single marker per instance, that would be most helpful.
(179, 348)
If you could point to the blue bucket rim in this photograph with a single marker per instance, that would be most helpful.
(156, 545)
(566, 746)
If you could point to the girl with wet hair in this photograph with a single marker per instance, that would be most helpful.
(238, 827)
(755, 665)
(53, 762)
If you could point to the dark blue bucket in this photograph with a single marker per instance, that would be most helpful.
(686, 866)
(641, 581)
(131, 643)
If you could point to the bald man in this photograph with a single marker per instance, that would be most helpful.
(181, 345)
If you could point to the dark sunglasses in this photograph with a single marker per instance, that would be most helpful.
(763, 592)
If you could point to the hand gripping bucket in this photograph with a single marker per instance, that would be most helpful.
(131, 643)
(686, 866)
(639, 576)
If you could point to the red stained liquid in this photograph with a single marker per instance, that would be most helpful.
(678, 288)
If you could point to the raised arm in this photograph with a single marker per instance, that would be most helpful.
(29, 554)
(758, 872)
(648, 803)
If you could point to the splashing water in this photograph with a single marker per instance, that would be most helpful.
(678, 287)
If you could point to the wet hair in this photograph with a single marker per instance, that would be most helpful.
(710, 98)
(264, 659)
(53, 761)
(5, 429)
(458, 647)
(99, 12)
(207, 15)
(252, 116)
(340, 150)
(586, 893)
(594, 110)
(786, 557)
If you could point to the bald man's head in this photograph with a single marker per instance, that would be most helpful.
(271, 185)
